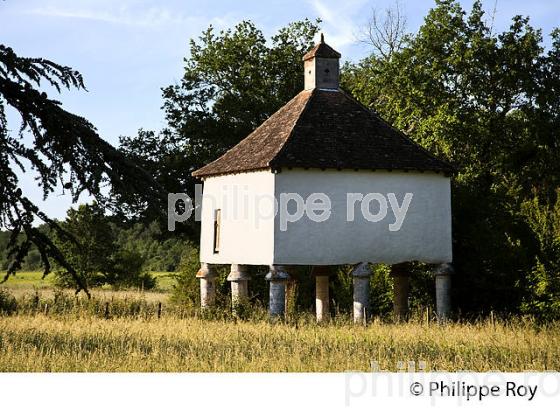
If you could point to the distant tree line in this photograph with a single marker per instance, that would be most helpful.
(104, 251)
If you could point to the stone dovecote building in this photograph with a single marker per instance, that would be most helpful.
(388, 198)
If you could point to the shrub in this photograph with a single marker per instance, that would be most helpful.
(186, 287)
(127, 271)
(543, 281)
(8, 303)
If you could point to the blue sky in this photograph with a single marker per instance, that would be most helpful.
(128, 49)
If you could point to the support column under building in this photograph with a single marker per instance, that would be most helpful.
(401, 285)
(443, 275)
(277, 278)
(238, 278)
(322, 308)
(360, 277)
(207, 275)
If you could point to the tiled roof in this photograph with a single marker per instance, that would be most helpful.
(322, 50)
(325, 129)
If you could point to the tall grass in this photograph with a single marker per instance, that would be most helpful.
(77, 335)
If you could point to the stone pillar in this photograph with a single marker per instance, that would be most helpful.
(360, 277)
(401, 285)
(443, 275)
(321, 274)
(277, 277)
(207, 275)
(238, 278)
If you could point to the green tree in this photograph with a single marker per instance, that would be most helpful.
(543, 296)
(159, 253)
(93, 251)
(63, 149)
(90, 248)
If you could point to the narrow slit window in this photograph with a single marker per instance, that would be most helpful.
(217, 228)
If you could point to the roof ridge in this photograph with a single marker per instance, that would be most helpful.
(312, 93)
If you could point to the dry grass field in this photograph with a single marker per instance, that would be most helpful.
(63, 343)
(120, 331)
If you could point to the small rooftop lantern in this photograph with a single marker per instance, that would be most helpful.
(387, 198)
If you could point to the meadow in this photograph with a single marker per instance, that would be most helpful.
(140, 331)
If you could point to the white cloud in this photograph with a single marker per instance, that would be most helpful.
(339, 19)
(125, 15)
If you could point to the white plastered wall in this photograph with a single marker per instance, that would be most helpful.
(244, 237)
(425, 234)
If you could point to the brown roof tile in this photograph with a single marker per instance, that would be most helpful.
(322, 50)
(325, 129)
